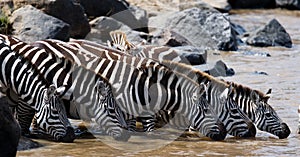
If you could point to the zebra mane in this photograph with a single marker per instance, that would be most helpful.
(248, 90)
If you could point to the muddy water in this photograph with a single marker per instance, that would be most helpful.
(283, 77)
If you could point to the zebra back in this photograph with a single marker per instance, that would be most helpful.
(138, 86)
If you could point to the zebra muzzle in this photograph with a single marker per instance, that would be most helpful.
(69, 136)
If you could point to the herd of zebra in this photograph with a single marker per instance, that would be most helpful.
(116, 86)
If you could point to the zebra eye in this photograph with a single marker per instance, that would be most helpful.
(268, 114)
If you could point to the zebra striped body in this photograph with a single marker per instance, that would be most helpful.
(238, 124)
(81, 87)
(145, 90)
(25, 87)
(252, 102)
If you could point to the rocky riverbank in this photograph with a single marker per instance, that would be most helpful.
(191, 27)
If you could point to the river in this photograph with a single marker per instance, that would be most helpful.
(283, 76)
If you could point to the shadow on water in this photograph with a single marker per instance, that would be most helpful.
(283, 77)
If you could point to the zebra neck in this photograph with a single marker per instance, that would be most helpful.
(26, 82)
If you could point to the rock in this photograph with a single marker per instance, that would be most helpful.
(65, 10)
(9, 130)
(205, 28)
(6, 7)
(101, 27)
(221, 5)
(169, 38)
(26, 143)
(272, 34)
(289, 4)
(193, 55)
(251, 3)
(183, 54)
(134, 17)
(219, 69)
(31, 24)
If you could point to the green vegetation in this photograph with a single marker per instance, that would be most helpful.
(5, 25)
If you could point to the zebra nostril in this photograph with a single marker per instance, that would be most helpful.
(285, 131)
(252, 129)
(69, 136)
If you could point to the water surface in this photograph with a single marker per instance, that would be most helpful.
(283, 76)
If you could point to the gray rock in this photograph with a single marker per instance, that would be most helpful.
(289, 4)
(31, 24)
(26, 144)
(134, 17)
(170, 38)
(221, 5)
(219, 69)
(272, 34)
(204, 28)
(101, 26)
(252, 3)
(65, 10)
(194, 55)
(9, 130)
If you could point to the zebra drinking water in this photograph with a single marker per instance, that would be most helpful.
(138, 95)
(245, 128)
(31, 94)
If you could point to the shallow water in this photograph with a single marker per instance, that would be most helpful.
(283, 77)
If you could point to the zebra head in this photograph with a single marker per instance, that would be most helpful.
(52, 118)
(205, 119)
(235, 120)
(114, 121)
(266, 117)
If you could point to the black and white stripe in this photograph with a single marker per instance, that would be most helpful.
(25, 87)
(245, 127)
(81, 86)
(145, 89)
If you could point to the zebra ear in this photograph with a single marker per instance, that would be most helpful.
(269, 93)
(51, 90)
(225, 93)
(102, 89)
(204, 88)
(254, 96)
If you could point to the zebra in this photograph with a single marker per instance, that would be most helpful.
(262, 114)
(31, 94)
(90, 97)
(94, 50)
(144, 81)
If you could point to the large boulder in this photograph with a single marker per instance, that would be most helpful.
(65, 10)
(9, 130)
(204, 28)
(221, 5)
(252, 3)
(134, 17)
(31, 24)
(102, 26)
(289, 4)
(272, 34)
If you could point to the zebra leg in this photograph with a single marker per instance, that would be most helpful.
(24, 119)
